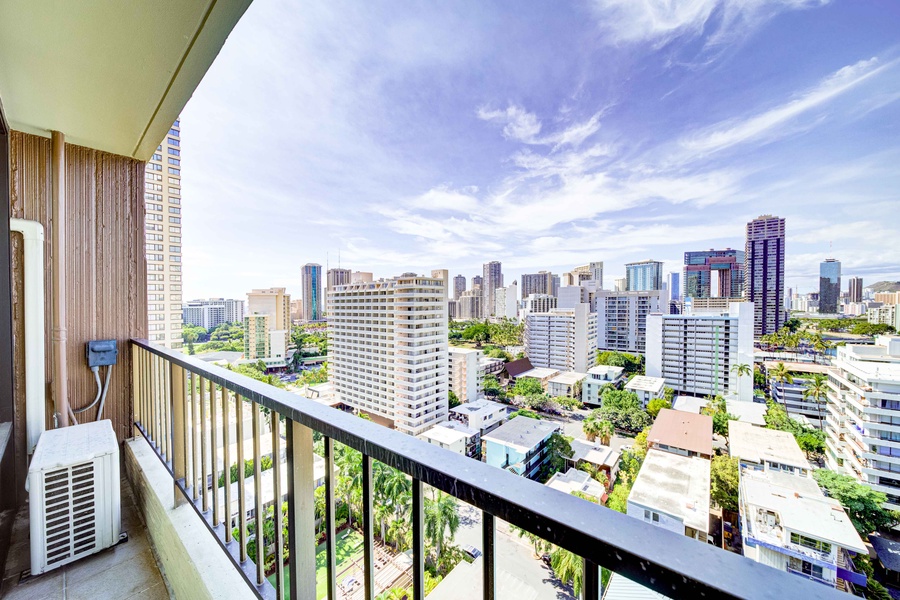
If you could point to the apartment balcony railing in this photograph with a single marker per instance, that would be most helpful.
(180, 403)
(810, 577)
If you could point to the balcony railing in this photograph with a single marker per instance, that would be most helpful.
(177, 403)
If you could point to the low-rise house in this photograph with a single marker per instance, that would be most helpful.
(598, 378)
(542, 374)
(790, 395)
(519, 445)
(574, 480)
(647, 388)
(603, 458)
(481, 415)
(762, 449)
(672, 491)
(747, 412)
(514, 368)
(565, 384)
(681, 433)
(788, 523)
(691, 404)
(887, 549)
(453, 436)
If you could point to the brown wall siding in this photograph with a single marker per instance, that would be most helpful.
(105, 263)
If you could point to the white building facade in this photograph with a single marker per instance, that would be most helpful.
(387, 349)
(862, 424)
(563, 339)
(696, 353)
(622, 319)
(211, 313)
(463, 373)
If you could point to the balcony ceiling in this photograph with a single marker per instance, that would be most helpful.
(111, 75)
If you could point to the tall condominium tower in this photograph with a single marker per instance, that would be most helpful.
(459, 286)
(714, 273)
(162, 200)
(856, 289)
(213, 312)
(643, 276)
(764, 273)
(829, 286)
(622, 319)
(674, 281)
(387, 349)
(336, 277)
(267, 326)
(493, 279)
(562, 338)
(477, 282)
(537, 283)
(313, 307)
(555, 279)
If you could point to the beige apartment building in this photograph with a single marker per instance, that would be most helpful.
(267, 326)
(162, 201)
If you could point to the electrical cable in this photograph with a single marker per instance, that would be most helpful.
(103, 396)
(96, 371)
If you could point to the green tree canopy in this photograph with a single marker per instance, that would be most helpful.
(862, 503)
(629, 362)
(622, 409)
(656, 405)
(559, 449)
(724, 481)
(525, 386)
(478, 333)
(524, 412)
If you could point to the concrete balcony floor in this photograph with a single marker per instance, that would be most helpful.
(128, 570)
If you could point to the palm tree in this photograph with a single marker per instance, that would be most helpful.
(741, 370)
(537, 542)
(605, 430)
(591, 428)
(441, 516)
(817, 389)
(781, 374)
(568, 568)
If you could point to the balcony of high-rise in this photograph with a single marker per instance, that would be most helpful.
(88, 91)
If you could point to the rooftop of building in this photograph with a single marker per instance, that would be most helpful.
(447, 434)
(479, 407)
(690, 404)
(757, 444)
(747, 411)
(887, 547)
(463, 350)
(522, 433)
(644, 383)
(676, 485)
(518, 366)
(682, 430)
(538, 373)
(622, 588)
(575, 480)
(801, 507)
(223, 356)
(594, 453)
(798, 367)
(607, 371)
(568, 378)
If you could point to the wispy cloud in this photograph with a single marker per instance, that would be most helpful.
(768, 124)
(660, 21)
(523, 126)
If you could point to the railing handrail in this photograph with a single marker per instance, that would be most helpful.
(670, 563)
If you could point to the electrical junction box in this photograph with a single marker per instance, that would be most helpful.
(101, 353)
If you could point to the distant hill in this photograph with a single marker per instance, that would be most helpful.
(885, 286)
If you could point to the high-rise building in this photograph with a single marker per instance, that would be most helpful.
(470, 305)
(360, 277)
(464, 378)
(507, 304)
(596, 269)
(537, 283)
(477, 282)
(863, 405)
(764, 273)
(267, 326)
(621, 284)
(714, 273)
(459, 286)
(213, 312)
(643, 276)
(387, 349)
(555, 279)
(829, 286)
(622, 319)
(696, 353)
(535, 303)
(674, 285)
(856, 289)
(335, 277)
(313, 307)
(562, 338)
(493, 279)
(162, 201)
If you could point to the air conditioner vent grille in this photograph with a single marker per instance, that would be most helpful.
(70, 526)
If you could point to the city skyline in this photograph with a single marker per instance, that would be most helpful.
(541, 164)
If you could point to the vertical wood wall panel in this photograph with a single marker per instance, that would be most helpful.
(105, 262)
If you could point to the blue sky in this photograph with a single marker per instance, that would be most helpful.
(419, 135)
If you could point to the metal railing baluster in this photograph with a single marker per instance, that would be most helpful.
(196, 438)
(489, 537)
(179, 429)
(590, 587)
(242, 492)
(204, 444)
(301, 511)
(226, 455)
(418, 539)
(274, 423)
(257, 497)
(214, 453)
(330, 533)
(368, 530)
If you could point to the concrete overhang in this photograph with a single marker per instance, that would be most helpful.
(111, 75)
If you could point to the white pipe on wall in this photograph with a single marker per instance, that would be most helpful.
(35, 380)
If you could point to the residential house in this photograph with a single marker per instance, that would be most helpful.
(597, 379)
(574, 480)
(647, 388)
(766, 449)
(682, 433)
(603, 458)
(454, 436)
(566, 384)
(519, 445)
(481, 415)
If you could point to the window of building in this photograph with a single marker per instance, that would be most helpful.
(174, 229)
(174, 181)
(174, 141)
(154, 167)
(809, 542)
(157, 156)
(174, 219)
(173, 190)
(174, 152)
(175, 161)
(173, 132)
(174, 210)
(172, 171)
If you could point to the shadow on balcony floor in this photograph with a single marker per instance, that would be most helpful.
(128, 571)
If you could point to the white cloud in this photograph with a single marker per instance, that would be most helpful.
(519, 124)
(445, 199)
(725, 135)
(660, 21)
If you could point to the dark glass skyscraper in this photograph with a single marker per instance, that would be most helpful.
(718, 273)
(856, 289)
(764, 273)
(829, 286)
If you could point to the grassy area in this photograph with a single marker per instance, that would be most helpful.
(349, 548)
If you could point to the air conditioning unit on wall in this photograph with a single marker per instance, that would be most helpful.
(74, 501)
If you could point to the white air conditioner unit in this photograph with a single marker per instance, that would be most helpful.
(74, 503)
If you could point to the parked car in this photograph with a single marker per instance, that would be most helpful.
(471, 551)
